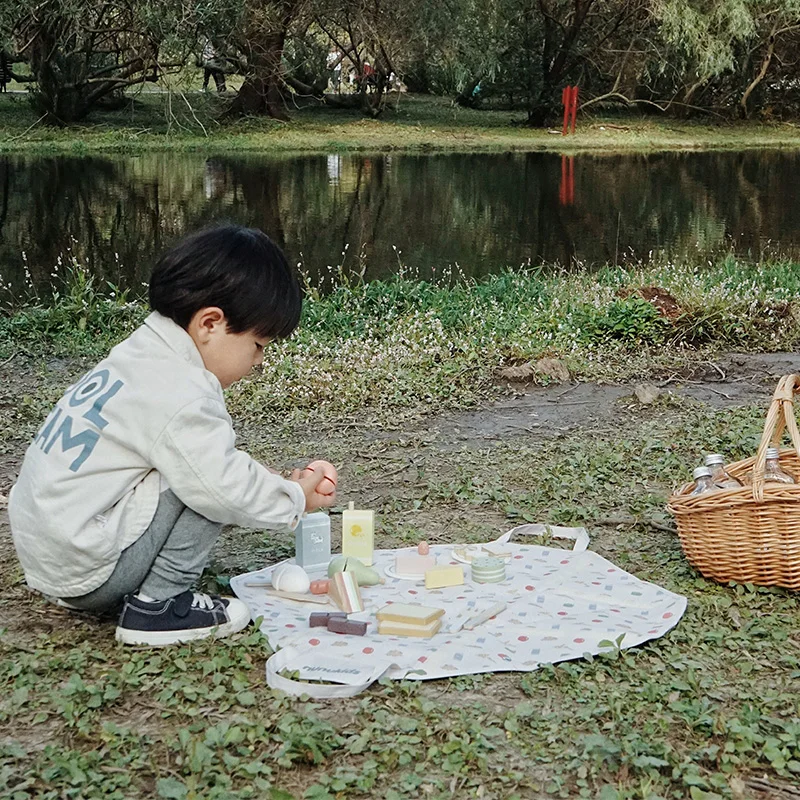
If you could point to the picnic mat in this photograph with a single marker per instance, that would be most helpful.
(561, 604)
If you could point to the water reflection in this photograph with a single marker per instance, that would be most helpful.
(478, 213)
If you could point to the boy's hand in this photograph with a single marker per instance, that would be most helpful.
(309, 482)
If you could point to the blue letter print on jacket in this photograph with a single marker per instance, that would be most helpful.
(58, 426)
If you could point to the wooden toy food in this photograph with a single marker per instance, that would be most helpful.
(413, 564)
(366, 576)
(327, 485)
(290, 578)
(409, 613)
(488, 569)
(406, 619)
(343, 625)
(358, 533)
(312, 540)
(320, 619)
(345, 593)
(441, 577)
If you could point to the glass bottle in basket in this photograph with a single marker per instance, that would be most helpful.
(716, 463)
(772, 469)
(703, 481)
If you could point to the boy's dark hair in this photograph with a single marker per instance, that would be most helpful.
(240, 270)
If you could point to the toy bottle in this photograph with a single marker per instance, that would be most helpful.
(773, 471)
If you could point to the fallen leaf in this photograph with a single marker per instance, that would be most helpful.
(518, 372)
(553, 368)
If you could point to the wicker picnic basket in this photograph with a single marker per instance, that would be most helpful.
(749, 534)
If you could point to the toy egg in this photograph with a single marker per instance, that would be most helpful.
(423, 548)
(327, 485)
(276, 572)
(290, 578)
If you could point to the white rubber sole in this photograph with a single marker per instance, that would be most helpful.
(238, 614)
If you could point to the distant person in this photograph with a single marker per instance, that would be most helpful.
(367, 76)
(334, 64)
(127, 484)
(212, 67)
(5, 71)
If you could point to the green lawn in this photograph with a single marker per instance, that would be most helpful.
(192, 120)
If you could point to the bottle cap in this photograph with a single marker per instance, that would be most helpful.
(714, 458)
(773, 452)
(701, 472)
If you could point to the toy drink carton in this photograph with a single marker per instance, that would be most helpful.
(358, 533)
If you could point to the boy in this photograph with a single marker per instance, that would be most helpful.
(127, 484)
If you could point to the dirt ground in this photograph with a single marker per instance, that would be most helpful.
(528, 414)
(391, 468)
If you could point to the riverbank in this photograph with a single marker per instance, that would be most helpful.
(403, 345)
(194, 122)
(398, 384)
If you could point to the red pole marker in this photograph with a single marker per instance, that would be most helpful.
(565, 101)
(574, 108)
(566, 190)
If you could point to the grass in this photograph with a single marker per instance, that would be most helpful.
(708, 711)
(405, 344)
(695, 714)
(192, 121)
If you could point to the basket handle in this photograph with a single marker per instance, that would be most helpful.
(779, 416)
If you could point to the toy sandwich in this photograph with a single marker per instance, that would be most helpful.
(404, 619)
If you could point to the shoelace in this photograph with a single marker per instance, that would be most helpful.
(201, 600)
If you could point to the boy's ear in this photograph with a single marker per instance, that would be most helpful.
(206, 322)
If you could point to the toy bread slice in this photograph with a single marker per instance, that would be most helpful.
(389, 628)
(409, 614)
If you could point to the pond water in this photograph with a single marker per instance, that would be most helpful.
(470, 214)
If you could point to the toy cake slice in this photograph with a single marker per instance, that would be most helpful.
(344, 591)
(408, 614)
(413, 564)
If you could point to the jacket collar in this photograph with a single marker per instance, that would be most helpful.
(175, 338)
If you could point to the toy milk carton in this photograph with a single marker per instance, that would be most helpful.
(313, 540)
(358, 533)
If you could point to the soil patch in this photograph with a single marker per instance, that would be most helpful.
(734, 379)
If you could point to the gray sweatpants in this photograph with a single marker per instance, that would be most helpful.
(165, 561)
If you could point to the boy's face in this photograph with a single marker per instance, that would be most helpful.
(229, 356)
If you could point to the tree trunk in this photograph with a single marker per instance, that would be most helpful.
(261, 90)
(467, 97)
(556, 59)
(53, 100)
(537, 115)
(762, 72)
(70, 82)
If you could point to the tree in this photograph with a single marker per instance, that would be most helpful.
(260, 36)
(726, 48)
(379, 38)
(81, 52)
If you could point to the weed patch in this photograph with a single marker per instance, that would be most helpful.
(401, 346)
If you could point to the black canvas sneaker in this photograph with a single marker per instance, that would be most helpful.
(190, 615)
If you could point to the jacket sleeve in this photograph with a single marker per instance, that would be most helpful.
(197, 458)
